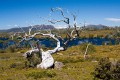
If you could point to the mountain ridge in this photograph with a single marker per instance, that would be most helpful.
(42, 27)
(98, 26)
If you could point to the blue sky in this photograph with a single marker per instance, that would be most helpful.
(26, 12)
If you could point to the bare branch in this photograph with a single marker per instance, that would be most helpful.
(55, 21)
(75, 24)
(30, 29)
(67, 20)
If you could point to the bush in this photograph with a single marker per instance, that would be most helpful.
(13, 65)
(116, 42)
(115, 71)
(2, 51)
(11, 49)
(42, 74)
(106, 70)
(91, 36)
(99, 36)
(33, 60)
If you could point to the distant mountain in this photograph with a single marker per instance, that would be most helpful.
(100, 26)
(42, 27)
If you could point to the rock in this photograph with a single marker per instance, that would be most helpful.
(58, 65)
(94, 61)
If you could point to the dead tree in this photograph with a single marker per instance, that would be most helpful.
(46, 56)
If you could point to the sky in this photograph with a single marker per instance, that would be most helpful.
(31, 12)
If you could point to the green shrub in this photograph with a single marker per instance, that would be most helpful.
(116, 42)
(115, 71)
(11, 49)
(33, 60)
(13, 65)
(106, 70)
(110, 42)
(99, 36)
(2, 51)
(91, 36)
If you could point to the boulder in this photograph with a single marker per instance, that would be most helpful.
(58, 65)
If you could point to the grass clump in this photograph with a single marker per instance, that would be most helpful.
(91, 48)
(2, 51)
(42, 74)
(11, 49)
(71, 60)
(17, 65)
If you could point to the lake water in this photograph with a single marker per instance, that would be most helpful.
(51, 43)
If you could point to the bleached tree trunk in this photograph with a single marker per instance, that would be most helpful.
(46, 57)
(85, 54)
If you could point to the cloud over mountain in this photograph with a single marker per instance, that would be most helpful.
(113, 19)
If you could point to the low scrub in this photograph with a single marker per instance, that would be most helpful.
(107, 70)
(11, 49)
(42, 74)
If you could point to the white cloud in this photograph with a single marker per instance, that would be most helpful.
(113, 19)
(9, 25)
(60, 26)
(87, 23)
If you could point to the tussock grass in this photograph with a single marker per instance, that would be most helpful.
(12, 65)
